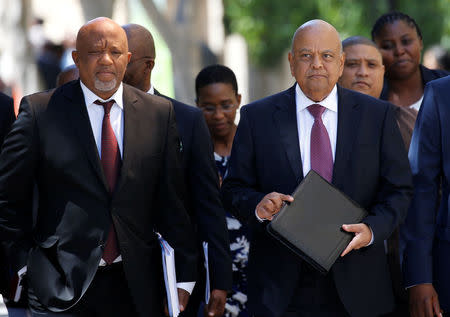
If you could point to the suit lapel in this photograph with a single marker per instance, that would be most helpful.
(285, 118)
(79, 119)
(347, 129)
(130, 133)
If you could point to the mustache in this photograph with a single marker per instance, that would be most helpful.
(316, 74)
(106, 69)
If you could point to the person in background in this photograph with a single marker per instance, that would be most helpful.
(48, 63)
(19, 309)
(217, 95)
(67, 74)
(437, 57)
(364, 72)
(426, 263)
(203, 200)
(363, 67)
(400, 42)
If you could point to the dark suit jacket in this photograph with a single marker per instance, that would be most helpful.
(427, 226)
(406, 118)
(370, 166)
(52, 143)
(7, 118)
(203, 200)
(7, 115)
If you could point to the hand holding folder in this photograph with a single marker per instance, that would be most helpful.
(311, 226)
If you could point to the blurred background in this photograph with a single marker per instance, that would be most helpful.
(252, 37)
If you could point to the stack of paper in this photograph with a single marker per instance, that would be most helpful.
(170, 279)
(207, 286)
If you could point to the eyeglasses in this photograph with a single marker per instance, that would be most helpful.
(210, 109)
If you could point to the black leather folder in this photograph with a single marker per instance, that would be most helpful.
(311, 226)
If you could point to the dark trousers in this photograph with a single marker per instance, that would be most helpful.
(107, 296)
(315, 296)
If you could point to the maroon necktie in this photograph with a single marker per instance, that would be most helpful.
(320, 152)
(111, 161)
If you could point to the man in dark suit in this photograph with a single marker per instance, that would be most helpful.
(203, 201)
(7, 115)
(7, 118)
(353, 141)
(106, 161)
(426, 231)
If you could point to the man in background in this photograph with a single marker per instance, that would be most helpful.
(426, 231)
(364, 72)
(203, 201)
(363, 67)
(67, 74)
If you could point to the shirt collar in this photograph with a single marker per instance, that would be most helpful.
(90, 97)
(151, 90)
(330, 102)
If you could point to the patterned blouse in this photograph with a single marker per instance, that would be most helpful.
(239, 246)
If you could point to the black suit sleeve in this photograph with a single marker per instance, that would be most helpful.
(7, 115)
(240, 188)
(17, 169)
(207, 206)
(172, 218)
(395, 183)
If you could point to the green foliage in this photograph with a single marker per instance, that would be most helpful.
(268, 25)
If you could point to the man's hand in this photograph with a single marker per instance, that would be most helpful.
(363, 236)
(271, 204)
(423, 301)
(183, 298)
(216, 304)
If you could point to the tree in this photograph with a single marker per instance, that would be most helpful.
(268, 25)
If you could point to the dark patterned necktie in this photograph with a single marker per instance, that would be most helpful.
(111, 161)
(320, 151)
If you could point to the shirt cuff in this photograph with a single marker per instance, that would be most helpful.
(408, 287)
(259, 218)
(187, 286)
(373, 237)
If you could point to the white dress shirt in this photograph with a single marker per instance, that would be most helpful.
(305, 121)
(151, 91)
(96, 113)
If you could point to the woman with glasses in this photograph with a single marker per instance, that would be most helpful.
(217, 95)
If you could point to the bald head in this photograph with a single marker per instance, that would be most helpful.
(67, 74)
(101, 56)
(316, 58)
(97, 28)
(142, 48)
(140, 41)
(316, 26)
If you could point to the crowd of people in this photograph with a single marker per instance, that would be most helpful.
(92, 171)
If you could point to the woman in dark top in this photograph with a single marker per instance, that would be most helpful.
(218, 97)
(400, 41)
